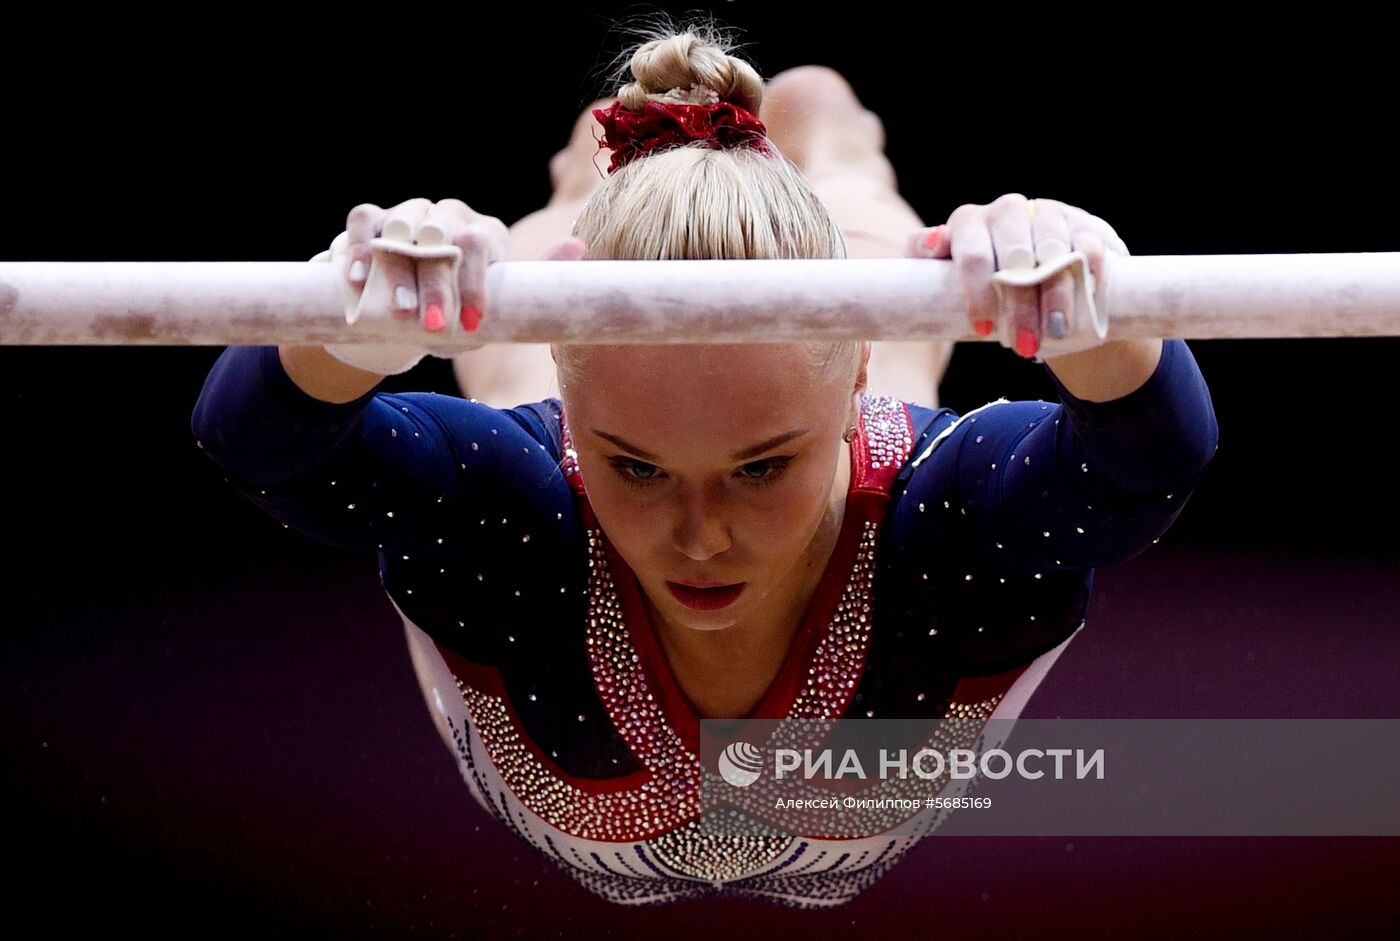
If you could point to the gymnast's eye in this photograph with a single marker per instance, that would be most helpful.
(639, 474)
(626, 468)
(775, 467)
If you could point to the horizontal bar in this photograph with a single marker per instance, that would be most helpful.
(720, 301)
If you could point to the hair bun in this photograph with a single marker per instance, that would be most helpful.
(696, 94)
(692, 65)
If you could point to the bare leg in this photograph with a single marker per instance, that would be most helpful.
(504, 375)
(815, 118)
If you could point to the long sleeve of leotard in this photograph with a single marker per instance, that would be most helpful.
(390, 471)
(1044, 486)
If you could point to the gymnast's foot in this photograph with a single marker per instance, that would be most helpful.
(814, 117)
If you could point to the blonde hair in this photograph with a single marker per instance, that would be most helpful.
(694, 202)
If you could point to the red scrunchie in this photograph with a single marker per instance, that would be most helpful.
(659, 126)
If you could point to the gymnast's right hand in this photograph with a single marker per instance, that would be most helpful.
(441, 288)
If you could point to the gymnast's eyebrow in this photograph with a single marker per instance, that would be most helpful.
(754, 451)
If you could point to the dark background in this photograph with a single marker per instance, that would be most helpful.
(211, 724)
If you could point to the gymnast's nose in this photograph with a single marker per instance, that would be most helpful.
(702, 524)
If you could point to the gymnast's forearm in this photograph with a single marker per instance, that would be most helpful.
(1109, 371)
(322, 376)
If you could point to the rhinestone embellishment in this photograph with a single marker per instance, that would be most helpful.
(665, 810)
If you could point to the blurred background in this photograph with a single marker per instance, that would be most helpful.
(211, 724)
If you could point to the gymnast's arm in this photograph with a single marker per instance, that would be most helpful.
(322, 376)
(389, 471)
(1087, 483)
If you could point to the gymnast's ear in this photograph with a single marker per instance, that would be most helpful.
(862, 374)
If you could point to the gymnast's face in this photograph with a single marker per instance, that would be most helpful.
(679, 448)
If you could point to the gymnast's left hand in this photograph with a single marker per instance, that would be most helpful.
(1010, 233)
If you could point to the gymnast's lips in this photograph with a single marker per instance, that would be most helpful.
(705, 596)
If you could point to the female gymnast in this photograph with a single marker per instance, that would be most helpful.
(697, 531)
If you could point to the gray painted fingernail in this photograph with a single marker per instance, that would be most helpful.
(1019, 257)
(404, 299)
(1057, 326)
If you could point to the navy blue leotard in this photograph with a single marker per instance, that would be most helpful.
(963, 569)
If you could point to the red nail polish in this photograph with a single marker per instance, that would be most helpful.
(1026, 343)
(983, 327)
(933, 237)
(471, 318)
(433, 318)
